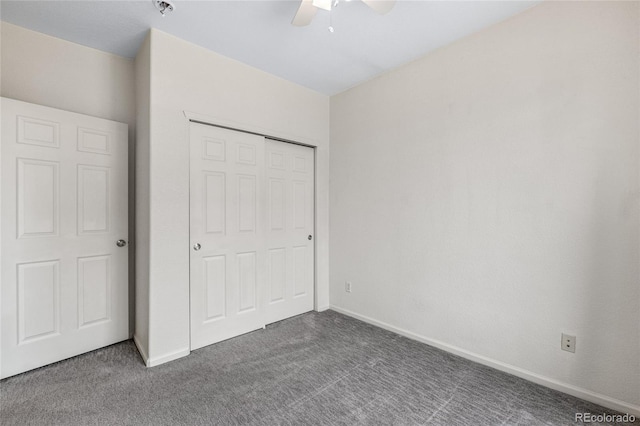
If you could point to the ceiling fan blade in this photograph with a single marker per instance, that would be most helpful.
(305, 13)
(380, 6)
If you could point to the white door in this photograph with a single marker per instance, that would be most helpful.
(64, 206)
(290, 225)
(227, 234)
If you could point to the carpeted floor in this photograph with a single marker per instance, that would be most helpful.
(314, 369)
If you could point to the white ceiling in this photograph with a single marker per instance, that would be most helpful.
(259, 32)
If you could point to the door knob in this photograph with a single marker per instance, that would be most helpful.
(309, 237)
(121, 243)
(197, 246)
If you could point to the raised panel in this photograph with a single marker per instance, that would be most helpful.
(38, 198)
(277, 205)
(95, 141)
(276, 160)
(246, 154)
(299, 164)
(93, 199)
(215, 279)
(299, 204)
(214, 149)
(300, 270)
(94, 289)
(276, 274)
(34, 131)
(246, 203)
(247, 281)
(215, 202)
(38, 300)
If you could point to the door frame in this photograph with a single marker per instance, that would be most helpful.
(192, 117)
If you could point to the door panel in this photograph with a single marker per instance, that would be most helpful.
(38, 199)
(227, 221)
(93, 199)
(216, 204)
(290, 222)
(215, 272)
(94, 288)
(277, 274)
(64, 204)
(38, 306)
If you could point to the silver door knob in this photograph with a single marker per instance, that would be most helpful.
(121, 243)
(309, 237)
(197, 246)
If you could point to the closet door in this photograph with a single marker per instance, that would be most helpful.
(64, 235)
(227, 233)
(290, 226)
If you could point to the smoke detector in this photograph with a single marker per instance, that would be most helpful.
(164, 6)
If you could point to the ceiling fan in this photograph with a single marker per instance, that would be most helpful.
(308, 9)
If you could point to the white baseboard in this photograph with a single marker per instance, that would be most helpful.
(578, 392)
(141, 350)
(323, 308)
(152, 362)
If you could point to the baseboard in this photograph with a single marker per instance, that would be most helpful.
(141, 351)
(596, 398)
(152, 362)
(323, 308)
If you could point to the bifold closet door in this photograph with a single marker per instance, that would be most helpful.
(64, 235)
(252, 221)
(227, 234)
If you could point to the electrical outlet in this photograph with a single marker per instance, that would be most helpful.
(568, 343)
(347, 286)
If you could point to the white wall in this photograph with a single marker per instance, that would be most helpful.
(485, 198)
(143, 123)
(49, 71)
(185, 77)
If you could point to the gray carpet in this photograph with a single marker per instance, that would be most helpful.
(314, 369)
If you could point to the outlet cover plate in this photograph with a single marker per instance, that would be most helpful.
(568, 343)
